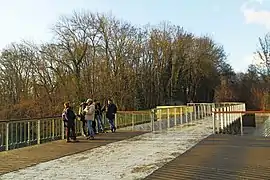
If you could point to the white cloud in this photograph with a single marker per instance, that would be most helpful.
(253, 16)
(253, 59)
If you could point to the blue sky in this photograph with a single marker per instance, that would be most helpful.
(236, 24)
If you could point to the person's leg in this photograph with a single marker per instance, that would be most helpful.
(111, 122)
(90, 129)
(98, 123)
(94, 126)
(73, 132)
(84, 127)
(101, 126)
(68, 133)
(113, 125)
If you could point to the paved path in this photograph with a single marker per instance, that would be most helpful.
(221, 157)
(24, 157)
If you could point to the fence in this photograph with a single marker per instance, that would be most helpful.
(224, 116)
(164, 117)
(27, 132)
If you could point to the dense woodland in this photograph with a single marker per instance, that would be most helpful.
(100, 56)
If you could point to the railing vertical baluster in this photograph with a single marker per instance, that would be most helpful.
(63, 130)
(204, 110)
(116, 121)
(152, 116)
(42, 129)
(222, 119)
(11, 133)
(160, 120)
(195, 111)
(7, 136)
(190, 114)
(214, 120)
(132, 122)
(175, 118)
(53, 129)
(230, 114)
(24, 132)
(28, 132)
(241, 124)
(38, 132)
(168, 118)
(218, 119)
(181, 115)
(21, 131)
(186, 114)
(16, 133)
(199, 111)
(225, 118)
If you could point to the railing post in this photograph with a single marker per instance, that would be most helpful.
(160, 120)
(204, 110)
(116, 121)
(214, 121)
(175, 117)
(54, 129)
(153, 118)
(191, 116)
(195, 112)
(234, 115)
(181, 115)
(225, 117)
(230, 115)
(186, 114)
(132, 121)
(218, 119)
(168, 118)
(28, 132)
(38, 132)
(63, 130)
(222, 119)
(160, 114)
(7, 136)
(241, 124)
(199, 111)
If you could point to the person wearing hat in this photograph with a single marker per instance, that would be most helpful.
(81, 115)
(90, 117)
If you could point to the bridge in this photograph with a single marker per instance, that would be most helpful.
(196, 141)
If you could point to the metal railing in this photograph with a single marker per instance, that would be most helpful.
(225, 116)
(164, 117)
(26, 132)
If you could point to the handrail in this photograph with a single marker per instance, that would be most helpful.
(28, 119)
(242, 112)
(134, 112)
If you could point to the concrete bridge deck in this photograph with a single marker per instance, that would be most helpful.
(24, 157)
(221, 157)
(216, 157)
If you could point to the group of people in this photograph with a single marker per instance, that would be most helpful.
(90, 114)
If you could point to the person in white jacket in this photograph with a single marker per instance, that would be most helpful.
(90, 117)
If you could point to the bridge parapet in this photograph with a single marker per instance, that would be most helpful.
(26, 132)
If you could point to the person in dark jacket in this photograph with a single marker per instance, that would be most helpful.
(98, 116)
(69, 117)
(81, 115)
(110, 114)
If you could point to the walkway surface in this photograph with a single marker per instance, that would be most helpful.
(221, 157)
(24, 157)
